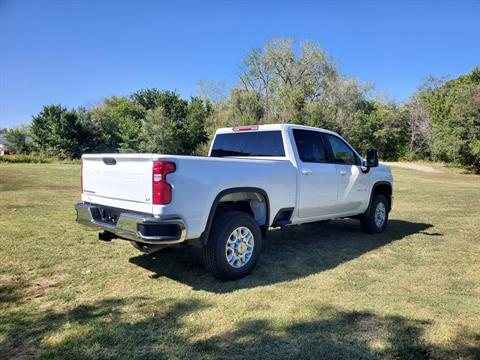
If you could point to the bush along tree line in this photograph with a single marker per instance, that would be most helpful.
(283, 82)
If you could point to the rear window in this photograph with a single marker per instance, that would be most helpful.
(310, 146)
(263, 143)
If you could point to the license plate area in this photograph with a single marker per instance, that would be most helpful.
(109, 215)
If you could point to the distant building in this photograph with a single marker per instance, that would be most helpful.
(2, 143)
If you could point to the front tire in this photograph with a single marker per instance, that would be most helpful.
(234, 245)
(376, 221)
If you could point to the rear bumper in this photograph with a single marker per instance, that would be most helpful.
(133, 226)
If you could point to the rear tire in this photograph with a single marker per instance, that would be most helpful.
(233, 247)
(377, 218)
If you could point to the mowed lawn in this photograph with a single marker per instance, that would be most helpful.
(319, 291)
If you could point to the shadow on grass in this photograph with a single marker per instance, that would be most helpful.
(162, 329)
(100, 330)
(341, 335)
(11, 292)
(287, 255)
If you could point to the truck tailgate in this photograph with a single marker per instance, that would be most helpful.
(125, 177)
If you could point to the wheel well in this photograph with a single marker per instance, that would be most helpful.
(248, 200)
(251, 203)
(386, 190)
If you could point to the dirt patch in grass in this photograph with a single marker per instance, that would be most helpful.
(413, 166)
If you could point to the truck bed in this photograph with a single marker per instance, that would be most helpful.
(125, 181)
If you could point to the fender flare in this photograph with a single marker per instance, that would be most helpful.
(375, 185)
(220, 195)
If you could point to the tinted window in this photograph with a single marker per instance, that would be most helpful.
(310, 146)
(342, 153)
(262, 143)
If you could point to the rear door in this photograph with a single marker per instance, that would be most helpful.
(317, 179)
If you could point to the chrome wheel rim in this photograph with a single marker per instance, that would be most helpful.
(380, 213)
(239, 247)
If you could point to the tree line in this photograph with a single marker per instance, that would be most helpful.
(146, 121)
(283, 82)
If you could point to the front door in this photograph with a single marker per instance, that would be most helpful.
(317, 179)
(352, 182)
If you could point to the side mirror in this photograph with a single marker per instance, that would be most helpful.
(372, 158)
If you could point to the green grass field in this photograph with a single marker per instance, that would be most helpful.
(319, 291)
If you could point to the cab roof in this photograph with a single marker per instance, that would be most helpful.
(269, 127)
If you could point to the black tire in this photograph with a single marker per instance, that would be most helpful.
(369, 225)
(214, 252)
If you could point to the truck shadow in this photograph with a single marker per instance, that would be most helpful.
(291, 254)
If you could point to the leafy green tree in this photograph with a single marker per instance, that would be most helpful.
(173, 125)
(245, 107)
(89, 133)
(147, 98)
(57, 131)
(386, 130)
(454, 110)
(160, 134)
(286, 79)
(117, 123)
(194, 127)
(17, 139)
(173, 106)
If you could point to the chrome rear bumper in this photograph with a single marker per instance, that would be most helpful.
(138, 227)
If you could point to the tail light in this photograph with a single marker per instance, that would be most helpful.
(81, 176)
(161, 189)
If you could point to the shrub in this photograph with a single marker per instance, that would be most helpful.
(36, 159)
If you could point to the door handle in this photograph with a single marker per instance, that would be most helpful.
(343, 172)
(306, 172)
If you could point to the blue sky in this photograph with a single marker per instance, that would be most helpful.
(78, 52)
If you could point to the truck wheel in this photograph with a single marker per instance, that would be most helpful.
(234, 245)
(377, 219)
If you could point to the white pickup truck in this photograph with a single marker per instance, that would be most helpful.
(254, 178)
